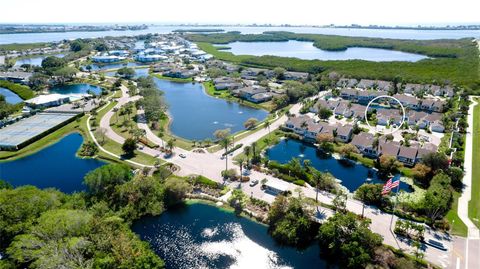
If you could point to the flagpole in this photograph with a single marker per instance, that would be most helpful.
(395, 204)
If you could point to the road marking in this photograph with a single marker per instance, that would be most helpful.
(466, 254)
(458, 263)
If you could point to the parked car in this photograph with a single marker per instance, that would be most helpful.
(253, 182)
(182, 155)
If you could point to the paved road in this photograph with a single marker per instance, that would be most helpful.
(210, 165)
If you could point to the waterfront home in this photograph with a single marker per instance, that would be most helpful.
(388, 148)
(408, 101)
(147, 58)
(261, 97)
(107, 58)
(344, 133)
(347, 83)
(248, 92)
(364, 143)
(180, 73)
(226, 83)
(16, 76)
(298, 124)
(48, 100)
(407, 155)
(122, 53)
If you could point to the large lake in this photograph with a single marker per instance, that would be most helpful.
(53, 167)
(204, 236)
(81, 88)
(196, 115)
(10, 97)
(382, 33)
(306, 50)
(351, 176)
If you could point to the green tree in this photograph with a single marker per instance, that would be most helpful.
(343, 235)
(324, 113)
(102, 181)
(176, 190)
(129, 146)
(250, 123)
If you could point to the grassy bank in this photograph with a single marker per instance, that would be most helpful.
(474, 204)
(16, 46)
(225, 94)
(453, 60)
(184, 80)
(21, 90)
(457, 226)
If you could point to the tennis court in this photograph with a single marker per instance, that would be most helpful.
(14, 135)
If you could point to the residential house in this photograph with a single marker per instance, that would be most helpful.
(344, 133)
(248, 92)
(414, 88)
(407, 155)
(390, 148)
(16, 76)
(347, 83)
(349, 94)
(261, 97)
(364, 143)
(408, 101)
(295, 76)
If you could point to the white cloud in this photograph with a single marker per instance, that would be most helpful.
(315, 12)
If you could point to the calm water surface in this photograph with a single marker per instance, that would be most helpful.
(306, 50)
(34, 61)
(351, 176)
(99, 67)
(382, 33)
(204, 236)
(53, 167)
(81, 88)
(197, 116)
(139, 72)
(10, 97)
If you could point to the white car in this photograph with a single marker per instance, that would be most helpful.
(253, 182)
(182, 155)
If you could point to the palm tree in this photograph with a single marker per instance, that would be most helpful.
(254, 149)
(267, 125)
(171, 144)
(247, 150)
(240, 161)
(225, 142)
(115, 110)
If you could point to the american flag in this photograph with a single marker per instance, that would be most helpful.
(390, 185)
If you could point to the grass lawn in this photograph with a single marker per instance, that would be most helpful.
(474, 204)
(457, 226)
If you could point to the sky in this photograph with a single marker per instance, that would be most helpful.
(297, 12)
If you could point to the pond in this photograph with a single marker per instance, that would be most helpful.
(53, 167)
(306, 50)
(196, 115)
(100, 67)
(204, 236)
(35, 61)
(352, 176)
(81, 88)
(10, 97)
(139, 72)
